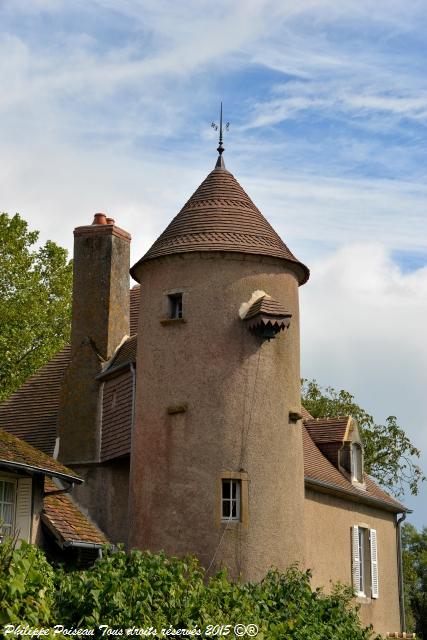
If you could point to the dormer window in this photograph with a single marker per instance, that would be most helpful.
(356, 463)
(175, 306)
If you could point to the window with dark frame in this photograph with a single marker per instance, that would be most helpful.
(175, 306)
(230, 499)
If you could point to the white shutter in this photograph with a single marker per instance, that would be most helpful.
(374, 564)
(23, 509)
(355, 558)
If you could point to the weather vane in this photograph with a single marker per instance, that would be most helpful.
(220, 149)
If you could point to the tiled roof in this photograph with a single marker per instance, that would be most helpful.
(68, 524)
(317, 468)
(266, 306)
(305, 414)
(31, 412)
(327, 429)
(20, 455)
(220, 216)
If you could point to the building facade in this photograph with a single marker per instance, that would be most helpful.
(179, 406)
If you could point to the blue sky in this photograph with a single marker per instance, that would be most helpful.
(107, 105)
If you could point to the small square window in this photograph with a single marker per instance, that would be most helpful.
(175, 306)
(230, 500)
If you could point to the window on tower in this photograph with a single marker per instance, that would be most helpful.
(175, 306)
(231, 500)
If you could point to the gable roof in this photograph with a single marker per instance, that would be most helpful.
(35, 422)
(220, 216)
(16, 454)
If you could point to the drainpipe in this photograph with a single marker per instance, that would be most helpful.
(399, 522)
(59, 492)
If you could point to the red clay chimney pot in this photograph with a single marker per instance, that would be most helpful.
(99, 218)
(110, 220)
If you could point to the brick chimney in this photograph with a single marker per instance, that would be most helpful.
(100, 320)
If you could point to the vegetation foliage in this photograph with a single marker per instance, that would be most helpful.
(35, 302)
(414, 545)
(389, 455)
(144, 590)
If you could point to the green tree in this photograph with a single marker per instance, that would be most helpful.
(414, 547)
(35, 302)
(389, 455)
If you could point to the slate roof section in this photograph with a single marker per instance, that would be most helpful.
(31, 412)
(21, 456)
(69, 525)
(220, 216)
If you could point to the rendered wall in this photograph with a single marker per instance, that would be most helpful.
(328, 553)
(104, 495)
(238, 393)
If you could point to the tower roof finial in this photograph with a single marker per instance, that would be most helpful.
(220, 162)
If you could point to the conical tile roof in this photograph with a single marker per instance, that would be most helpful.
(220, 216)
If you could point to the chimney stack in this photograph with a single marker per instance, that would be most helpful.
(100, 321)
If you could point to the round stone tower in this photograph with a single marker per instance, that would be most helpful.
(217, 460)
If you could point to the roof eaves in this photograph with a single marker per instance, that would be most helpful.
(22, 466)
(326, 487)
(63, 543)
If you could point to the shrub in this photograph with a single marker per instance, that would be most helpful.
(26, 585)
(141, 589)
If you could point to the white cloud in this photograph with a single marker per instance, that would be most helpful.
(363, 330)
